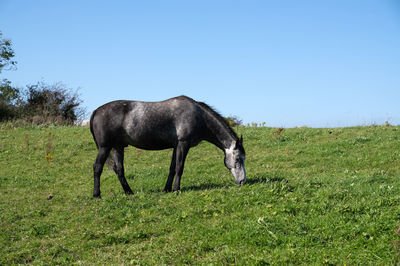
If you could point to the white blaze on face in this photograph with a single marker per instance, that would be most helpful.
(234, 161)
(230, 156)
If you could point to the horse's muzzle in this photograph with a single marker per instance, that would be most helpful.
(241, 182)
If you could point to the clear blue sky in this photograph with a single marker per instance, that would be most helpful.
(286, 63)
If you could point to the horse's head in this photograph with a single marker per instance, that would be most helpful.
(234, 161)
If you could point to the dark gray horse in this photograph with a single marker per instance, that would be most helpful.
(178, 123)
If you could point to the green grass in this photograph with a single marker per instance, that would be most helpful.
(314, 196)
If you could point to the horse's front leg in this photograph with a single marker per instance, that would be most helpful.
(181, 153)
(118, 154)
(168, 185)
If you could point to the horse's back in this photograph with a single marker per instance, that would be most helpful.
(146, 125)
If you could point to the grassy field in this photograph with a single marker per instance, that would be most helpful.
(314, 196)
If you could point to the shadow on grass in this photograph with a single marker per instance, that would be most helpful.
(205, 187)
(265, 179)
(250, 181)
(194, 188)
(260, 179)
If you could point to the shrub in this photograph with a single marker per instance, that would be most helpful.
(40, 104)
(52, 103)
(233, 121)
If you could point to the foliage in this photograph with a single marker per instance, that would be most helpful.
(314, 196)
(234, 121)
(37, 104)
(6, 54)
(8, 93)
(53, 102)
(40, 103)
(8, 98)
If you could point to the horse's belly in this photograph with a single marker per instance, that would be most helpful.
(152, 145)
(156, 140)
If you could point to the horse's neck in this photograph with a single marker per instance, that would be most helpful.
(219, 135)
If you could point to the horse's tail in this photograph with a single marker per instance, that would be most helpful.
(91, 128)
(110, 161)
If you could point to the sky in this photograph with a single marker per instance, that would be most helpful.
(286, 63)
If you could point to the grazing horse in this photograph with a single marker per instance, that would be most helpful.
(178, 123)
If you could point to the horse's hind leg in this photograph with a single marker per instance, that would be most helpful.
(98, 168)
(118, 154)
(168, 185)
(181, 152)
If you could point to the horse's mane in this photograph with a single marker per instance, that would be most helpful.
(218, 117)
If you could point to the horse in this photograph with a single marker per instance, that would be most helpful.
(178, 123)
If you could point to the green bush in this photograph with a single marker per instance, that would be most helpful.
(40, 104)
(234, 121)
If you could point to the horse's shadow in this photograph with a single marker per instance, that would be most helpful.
(200, 187)
(250, 181)
(259, 179)
(265, 179)
(205, 187)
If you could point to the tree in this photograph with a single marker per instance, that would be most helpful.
(6, 54)
(9, 96)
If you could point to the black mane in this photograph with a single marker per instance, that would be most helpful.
(219, 118)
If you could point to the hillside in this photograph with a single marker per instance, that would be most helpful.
(321, 196)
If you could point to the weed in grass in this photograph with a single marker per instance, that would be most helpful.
(49, 157)
(279, 131)
(396, 245)
(27, 141)
(138, 153)
(49, 147)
